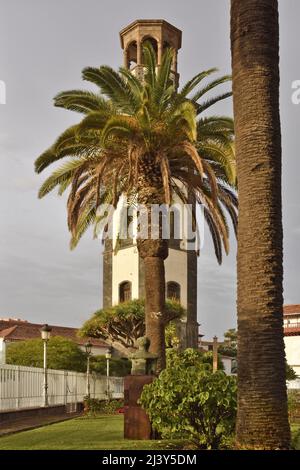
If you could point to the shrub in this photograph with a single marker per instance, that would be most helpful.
(290, 372)
(62, 354)
(294, 404)
(189, 401)
(95, 406)
(207, 358)
(118, 367)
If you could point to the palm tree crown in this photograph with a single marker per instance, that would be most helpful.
(147, 141)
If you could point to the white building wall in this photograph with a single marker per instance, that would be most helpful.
(176, 270)
(125, 267)
(227, 362)
(125, 263)
(292, 351)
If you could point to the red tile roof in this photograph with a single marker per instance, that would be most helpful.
(6, 333)
(291, 309)
(20, 330)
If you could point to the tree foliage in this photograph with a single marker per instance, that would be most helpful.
(189, 401)
(125, 323)
(229, 346)
(290, 373)
(118, 367)
(62, 354)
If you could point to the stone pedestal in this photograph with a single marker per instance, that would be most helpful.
(136, 422)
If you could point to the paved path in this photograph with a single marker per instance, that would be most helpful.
(26, 424)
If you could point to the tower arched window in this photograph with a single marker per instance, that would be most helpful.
(173, 291)
(125, 291)
(153, 42)
(131, 55)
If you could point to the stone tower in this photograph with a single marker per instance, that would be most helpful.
(160, 33)
(123, 272)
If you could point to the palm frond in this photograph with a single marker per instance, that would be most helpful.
(208, 103)
(209, 87)
(214, 234)
(86, 219)
(191, 84)
(66, 140)
(114, 86)
(121, 126)
(60, 176)
(150, 64)
(81, 101)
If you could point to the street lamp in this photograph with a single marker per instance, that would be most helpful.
(45, 333)
(215, 353)
(88, 350)
(108, 357)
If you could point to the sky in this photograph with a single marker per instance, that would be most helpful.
(44, 45)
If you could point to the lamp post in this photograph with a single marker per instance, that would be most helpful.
(45, 333)
(108, 357)
(215, 353)
(88, 350)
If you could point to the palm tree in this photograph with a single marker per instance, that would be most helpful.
(143, 139)
(262, 419)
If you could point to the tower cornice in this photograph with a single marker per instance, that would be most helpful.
(150, 22)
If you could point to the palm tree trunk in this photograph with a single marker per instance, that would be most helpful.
(262, 418)
(155, 306)
(153, 251)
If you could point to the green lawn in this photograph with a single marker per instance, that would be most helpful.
(295, 428)
(101, 433)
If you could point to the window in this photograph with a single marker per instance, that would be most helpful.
(152, 41)
(125, 291)
(173, 291)
(131, 55)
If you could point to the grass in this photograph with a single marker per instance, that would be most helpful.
(100, 433)
(295, 429)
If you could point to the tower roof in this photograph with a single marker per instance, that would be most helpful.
(151, 23)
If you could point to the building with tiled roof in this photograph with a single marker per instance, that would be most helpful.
(291, 325)
(291, 320)
(12, 330)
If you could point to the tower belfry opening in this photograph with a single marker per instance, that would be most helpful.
(159, 33)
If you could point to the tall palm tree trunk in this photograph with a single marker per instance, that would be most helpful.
(262, 419)
(154, 253)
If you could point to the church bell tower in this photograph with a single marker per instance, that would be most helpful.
(123, 271)
(160, 33)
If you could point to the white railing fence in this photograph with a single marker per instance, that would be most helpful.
(293, 384)
(22, 387)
